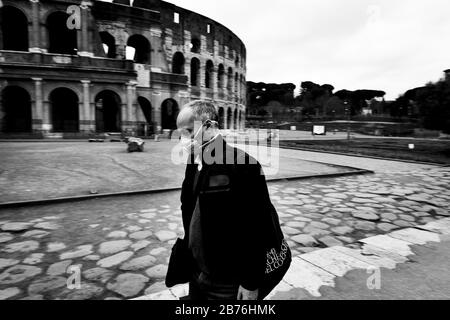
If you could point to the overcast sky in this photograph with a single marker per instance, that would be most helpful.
(390, 45)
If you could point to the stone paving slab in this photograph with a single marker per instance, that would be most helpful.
(305, 275)
(377, 261)
(415, 236)
(372, 250)
(334, 262)
(393, 245)
(441, 226)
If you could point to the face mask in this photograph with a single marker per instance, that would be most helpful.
(191, 146)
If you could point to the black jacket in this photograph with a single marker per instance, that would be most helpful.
(235, 213)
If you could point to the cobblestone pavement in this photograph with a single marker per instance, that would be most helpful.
(123, 244)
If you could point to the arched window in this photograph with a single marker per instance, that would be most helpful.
(230, 79)
(61, 39)
(14, 28)
(230, 119)
(195, 45)
(109, 44)
(65, 114)
(236, 83)
(16, 109)
(221, 76)
(209, 70)
(142, 48)
(221, 118)
(178, 63)
(169, 114)
(195, 72)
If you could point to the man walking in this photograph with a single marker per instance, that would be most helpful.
(224, 203)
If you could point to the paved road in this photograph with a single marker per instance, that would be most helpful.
(123, 244)
(34, 171)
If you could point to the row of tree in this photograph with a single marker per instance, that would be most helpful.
(314, 99)
(320, 100)
(429, 104)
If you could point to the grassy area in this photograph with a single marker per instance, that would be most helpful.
(425, 151)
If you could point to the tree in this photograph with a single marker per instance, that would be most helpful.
(357, 99)
(430, 103)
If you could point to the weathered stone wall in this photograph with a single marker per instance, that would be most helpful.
(92, 71)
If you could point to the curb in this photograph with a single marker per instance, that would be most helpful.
(17, 204)
(364, 156)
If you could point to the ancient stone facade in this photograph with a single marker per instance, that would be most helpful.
(84, 67)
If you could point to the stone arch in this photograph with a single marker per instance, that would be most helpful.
(169, 114)
(178, 62)
(195, 45)
(195, 72)
(108, 107)
(209, 71)
(61, 39)
(119, 90)
(221, 76)
(146, 108)
(221, 118)
(240, 120)
(229, 119)
(109, 44)
(64, 104)
(142, 48)
(16, 110)
(230, 79)
(14, 29)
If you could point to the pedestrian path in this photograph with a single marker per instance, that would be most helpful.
(122, 244)
(311, 272)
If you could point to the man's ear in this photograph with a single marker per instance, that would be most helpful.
(208, 124)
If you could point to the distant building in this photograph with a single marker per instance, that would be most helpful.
(113, 67)
(447, 74)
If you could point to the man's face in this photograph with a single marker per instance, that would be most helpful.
(191, 131)
(185, 123)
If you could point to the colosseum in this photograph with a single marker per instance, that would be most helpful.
(73, 68)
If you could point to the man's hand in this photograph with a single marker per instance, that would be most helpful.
(244, 294)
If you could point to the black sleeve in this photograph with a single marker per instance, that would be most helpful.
(256, 217)
(186, 199)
